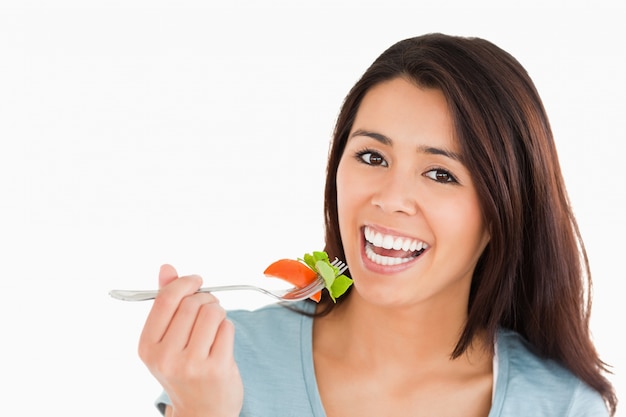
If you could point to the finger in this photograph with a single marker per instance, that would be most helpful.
(181, 326)
(210, 317)
(167, 274)
(165, 306)
(224, 342)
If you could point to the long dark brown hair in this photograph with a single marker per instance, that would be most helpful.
(533, 276)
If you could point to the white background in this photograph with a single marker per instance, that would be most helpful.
(135, 133)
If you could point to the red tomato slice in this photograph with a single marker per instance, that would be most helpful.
(294, 272)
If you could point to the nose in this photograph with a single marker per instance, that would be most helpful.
(397, 194)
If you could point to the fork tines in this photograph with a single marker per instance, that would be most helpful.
(336, 263)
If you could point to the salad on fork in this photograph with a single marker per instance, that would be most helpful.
(309, 275)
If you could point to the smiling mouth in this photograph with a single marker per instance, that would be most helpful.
(384, 249)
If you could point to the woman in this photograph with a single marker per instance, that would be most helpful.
(445, 197)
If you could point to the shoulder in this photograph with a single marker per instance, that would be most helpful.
(268, 337)
(270, 324)
(274, 357)
(272, 313)
(532, 385)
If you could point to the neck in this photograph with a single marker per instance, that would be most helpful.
(422, 334)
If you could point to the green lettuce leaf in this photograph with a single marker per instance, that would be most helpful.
(339, 287)
(336, 285)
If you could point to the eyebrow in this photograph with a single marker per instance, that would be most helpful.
(430, 150)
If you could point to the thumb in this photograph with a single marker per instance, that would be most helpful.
(167, 274)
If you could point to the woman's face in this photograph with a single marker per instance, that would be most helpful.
(409, 215)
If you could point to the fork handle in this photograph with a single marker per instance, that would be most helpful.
(132, 295)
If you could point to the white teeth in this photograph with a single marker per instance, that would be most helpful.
(388, 242)
(378, 240)
(392, 242)
(385, 260)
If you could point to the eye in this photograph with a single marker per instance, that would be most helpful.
(441, 175)
(371, 158)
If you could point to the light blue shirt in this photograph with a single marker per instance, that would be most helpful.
(273, 349)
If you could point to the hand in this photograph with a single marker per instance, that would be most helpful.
(187, 344)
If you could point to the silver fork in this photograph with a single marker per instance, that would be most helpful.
(293, 294)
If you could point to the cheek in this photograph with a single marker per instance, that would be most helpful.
(354, 183)
(463, 221)
(345, 180)
(349, 194)
(343, 191)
